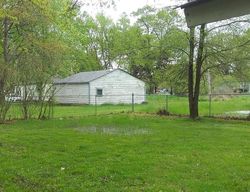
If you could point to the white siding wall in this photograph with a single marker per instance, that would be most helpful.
(72, 93)
(117, 87)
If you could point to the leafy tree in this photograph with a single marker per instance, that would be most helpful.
(31, 48)
(159, 44)
(213, 51)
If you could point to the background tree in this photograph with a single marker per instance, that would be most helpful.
(215, 51)
(157, 46)
(31, 46)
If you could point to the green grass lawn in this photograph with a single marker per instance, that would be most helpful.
(125, 153)
(176, 105)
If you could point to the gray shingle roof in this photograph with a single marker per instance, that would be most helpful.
(83, 77)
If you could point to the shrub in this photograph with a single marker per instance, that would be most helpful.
(163, 112)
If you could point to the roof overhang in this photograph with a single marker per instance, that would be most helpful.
(199, 12)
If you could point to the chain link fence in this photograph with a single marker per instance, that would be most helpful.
(229, 105)
(214, 105)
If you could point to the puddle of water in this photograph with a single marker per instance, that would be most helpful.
(244, 113)
(114, 131)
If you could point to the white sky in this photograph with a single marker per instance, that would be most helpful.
(129, 6)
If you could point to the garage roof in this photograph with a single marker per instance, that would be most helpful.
(83, 77)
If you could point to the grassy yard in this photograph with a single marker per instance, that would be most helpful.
(176, 105)
(125, 153)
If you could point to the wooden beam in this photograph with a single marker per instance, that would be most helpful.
(206, 11)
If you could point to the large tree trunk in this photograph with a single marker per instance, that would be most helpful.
(4, 106)
(194, 88)
(5, 57)
(191, 73)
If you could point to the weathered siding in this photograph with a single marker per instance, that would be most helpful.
(117, 87)
(72, 93)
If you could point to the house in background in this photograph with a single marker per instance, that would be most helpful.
(232, 87)
(31, 93)
(243, 87)
(107, 86)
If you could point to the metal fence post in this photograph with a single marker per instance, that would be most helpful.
(52, 109)
(133, 102)
(95, 105)
(210, 105)
(166, 102)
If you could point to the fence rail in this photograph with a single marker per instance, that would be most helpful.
(218, 105)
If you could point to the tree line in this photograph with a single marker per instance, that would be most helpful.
(45, 39)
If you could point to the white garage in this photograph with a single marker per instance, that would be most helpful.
(107, 86)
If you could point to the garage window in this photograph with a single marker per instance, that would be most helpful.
(99, 92)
